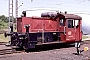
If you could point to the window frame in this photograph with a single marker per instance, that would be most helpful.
(72, 24)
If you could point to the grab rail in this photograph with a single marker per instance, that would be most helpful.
(64, 30)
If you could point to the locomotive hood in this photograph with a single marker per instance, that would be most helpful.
(49, 14)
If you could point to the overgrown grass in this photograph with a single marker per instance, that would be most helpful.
(3, 39)
(84, 37)
(4, 26)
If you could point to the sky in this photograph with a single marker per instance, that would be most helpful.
(79, 7)
(71, 6)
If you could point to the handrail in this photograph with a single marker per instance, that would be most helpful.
(64, 30)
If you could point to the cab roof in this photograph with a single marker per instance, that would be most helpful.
(69, 16)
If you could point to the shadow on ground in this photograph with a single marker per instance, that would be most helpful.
(50, 47)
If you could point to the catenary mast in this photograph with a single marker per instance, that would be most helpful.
(11, 18)
(16, 12)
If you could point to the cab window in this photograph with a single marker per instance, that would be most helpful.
(70, 23)
(76, 23)
(61, 22)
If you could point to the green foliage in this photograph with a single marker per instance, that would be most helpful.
(3, 39)
(3, 18)
(1, 24)
(84, 37)
(4, 21)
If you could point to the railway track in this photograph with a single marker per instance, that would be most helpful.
(3, 43)
(9, 50)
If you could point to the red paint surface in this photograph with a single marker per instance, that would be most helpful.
(49, 25)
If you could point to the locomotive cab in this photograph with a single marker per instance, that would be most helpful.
(70, 25)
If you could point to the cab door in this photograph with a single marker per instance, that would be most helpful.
(70, 30)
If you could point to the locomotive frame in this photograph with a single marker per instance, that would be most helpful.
(47, 29)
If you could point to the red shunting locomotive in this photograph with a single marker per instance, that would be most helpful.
(50, 28)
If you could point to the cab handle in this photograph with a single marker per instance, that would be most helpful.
(64, 30)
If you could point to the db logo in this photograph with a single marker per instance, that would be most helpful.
(69, 33)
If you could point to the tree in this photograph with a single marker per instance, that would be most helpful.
(1, 24)
(3, 18)
(4, 21)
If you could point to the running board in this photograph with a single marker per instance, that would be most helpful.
(56, 42)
